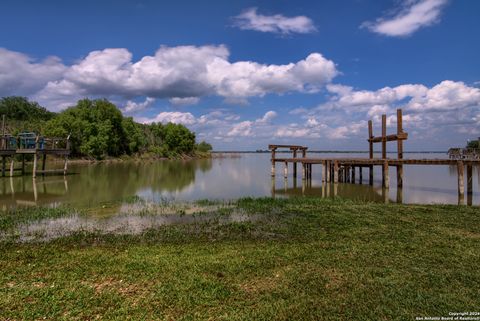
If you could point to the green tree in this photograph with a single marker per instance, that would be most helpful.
(474, 143)
(96, 128)
(20, 108)
(204, 147)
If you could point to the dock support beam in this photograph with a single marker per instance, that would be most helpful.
(65, 166)
(353, 174)
(285, 170)
(386, 177)
(34, 173)
(328, 170)
(360, 174)
(469, 184)
(399, 149)
(273, 162)
(335, 172)
(304, 171)
(461, 184)
(12, 165)
(370, 179)
(294, 164)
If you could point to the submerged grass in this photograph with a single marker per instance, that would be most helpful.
(301, 259)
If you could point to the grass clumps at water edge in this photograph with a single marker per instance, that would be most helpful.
(303, 259)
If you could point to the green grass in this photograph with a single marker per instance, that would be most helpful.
(301, 259)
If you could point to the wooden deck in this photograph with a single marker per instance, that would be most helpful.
(37, 147)
(337, 170)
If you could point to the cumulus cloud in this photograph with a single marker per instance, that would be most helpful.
(243, 128)
(408, 18)
(447, 95)
(249, 19)
(268, 117)
(132, 106)
(177, 101)
(23, 75)
(175, 117)
(182, 74)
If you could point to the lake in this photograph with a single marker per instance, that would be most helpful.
(235, 176)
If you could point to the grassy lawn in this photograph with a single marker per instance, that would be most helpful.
(298, 259)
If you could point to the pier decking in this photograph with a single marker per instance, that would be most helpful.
(335, 170)
(37, 146)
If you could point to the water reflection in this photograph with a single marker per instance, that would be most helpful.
(99, 183)
(228, 178)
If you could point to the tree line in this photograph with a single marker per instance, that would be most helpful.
(98, 129)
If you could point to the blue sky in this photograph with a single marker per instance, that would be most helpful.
(243, 74)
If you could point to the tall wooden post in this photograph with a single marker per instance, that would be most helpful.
(469, 184)
(370, 148)
(23, 164)
(328, 171)
(295, 164)
(461, 184)
(353, 174)
(273, 162)
(324, 172)
(399, 149)
(12, 165)
(386, 178)
(335, 171)
(304, 171)
(285, 170)
(35, 156)
(384, 145)
(3, 165)
(44, 160)
(384, 136)
(360, 174)
(65, 165)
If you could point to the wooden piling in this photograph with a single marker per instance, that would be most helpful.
(384, 136)
(370, 137)
(370, 179)
(44, 160)
(3, 165)
(353, 174)
(329, 170)
(304, 171)
(34, 173)
(285, 170)
(335, 171)
(23, 164)
(273, 162)
(469, 184)
(461, 184)
(294, 164)
(399, 148)
(360, 174)
(324, 172)
(12, 166)
(65, 165)
(386, 177)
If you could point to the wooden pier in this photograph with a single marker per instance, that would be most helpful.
(37, 146)
(344, 170)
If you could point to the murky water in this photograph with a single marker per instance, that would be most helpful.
(223, 178)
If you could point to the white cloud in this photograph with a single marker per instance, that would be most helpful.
(178, 101)
(249, 19)
(132, 106)
(241, 129)
(181, 74)
(410, 17)
(170, 117)
(23, 75)
(268, 117)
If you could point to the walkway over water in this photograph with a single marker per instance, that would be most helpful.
(344, 169)
(38, 146)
